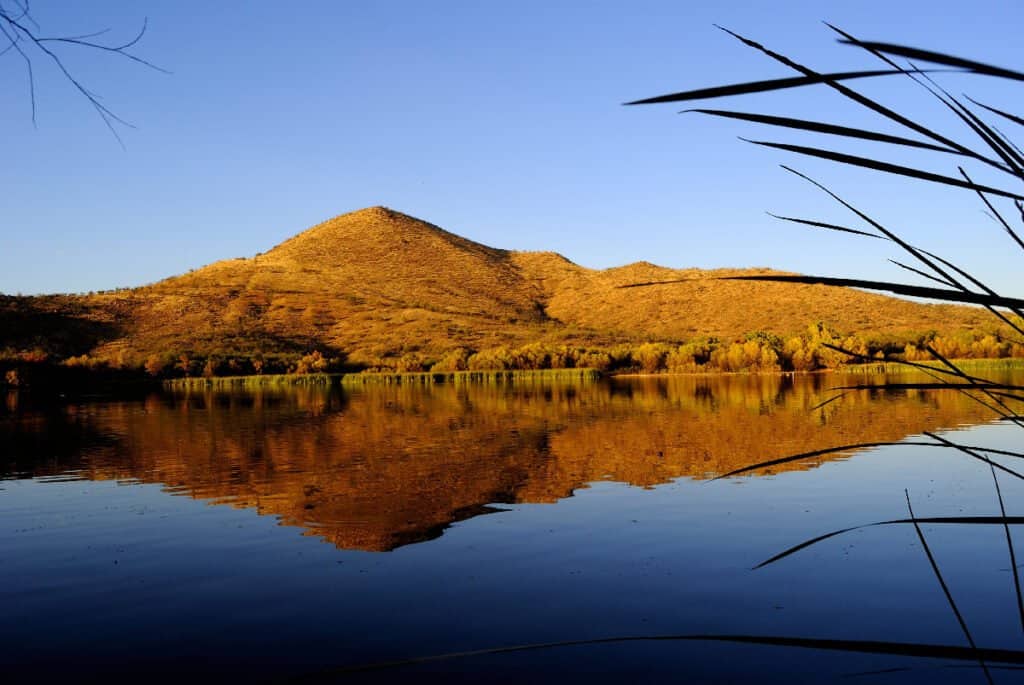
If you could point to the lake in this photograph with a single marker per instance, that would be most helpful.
(302, 534)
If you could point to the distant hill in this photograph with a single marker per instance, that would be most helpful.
(375, 284)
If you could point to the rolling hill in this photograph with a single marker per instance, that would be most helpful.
(375, 284)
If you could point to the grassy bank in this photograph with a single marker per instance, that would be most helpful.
(509, 376)
(973, 366)
(274, 380)
(527, 376)
(355, 379)
(498, 376)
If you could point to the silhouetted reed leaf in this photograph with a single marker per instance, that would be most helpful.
(906, 649)
(1009, 546)
(944, 280)
(974, 382)
(990, 137)
(936, 58)
(814, 453)
(977, 384)
(918, 254)
(886, 167)
(974, 455)
(937, 520)
(762, 86)
(898, 288)
(995, 212)
(860, 446)
(1006, 115)
(988, 388)
(861, 99)
(945, 588)
(962, 112)
(930, 386)
(825, 403)
(932, 371)
(824, 224)
(919, 272)
(822, 127)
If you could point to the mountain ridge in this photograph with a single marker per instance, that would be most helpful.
(375, 284)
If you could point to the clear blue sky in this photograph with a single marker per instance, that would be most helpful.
(500, 121)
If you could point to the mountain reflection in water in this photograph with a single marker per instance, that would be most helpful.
(381, 467)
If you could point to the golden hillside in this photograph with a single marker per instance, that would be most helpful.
(705, 305)
(375, 284)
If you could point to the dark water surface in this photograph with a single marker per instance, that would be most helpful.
(295, 533)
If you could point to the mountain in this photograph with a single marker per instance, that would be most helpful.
(375, 283)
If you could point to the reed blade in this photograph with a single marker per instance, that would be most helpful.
(930, 386)
(802, 456)
(971, 453)
(919, 255)
(945, 589)
(1006, 115)
(862, 100)
(823, 127)
(938, 520)
(825, 224)
(898, 288)
(1009, 546)
(936, 58)
(809, 455)
(762, 86)
(885, 167)
(995, 212)
(905, 649)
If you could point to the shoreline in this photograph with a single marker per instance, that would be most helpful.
(508, 376)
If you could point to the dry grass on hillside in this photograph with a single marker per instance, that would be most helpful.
(376, 283)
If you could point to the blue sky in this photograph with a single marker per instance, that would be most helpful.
(499, 121)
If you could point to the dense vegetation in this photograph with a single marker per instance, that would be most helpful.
(816, 347)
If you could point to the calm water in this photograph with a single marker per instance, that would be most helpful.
(292, 534)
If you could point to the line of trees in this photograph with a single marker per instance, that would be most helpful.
(809, 350)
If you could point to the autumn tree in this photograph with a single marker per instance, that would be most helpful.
(651, 356)
(154, 365)
(453, 360)
(314, 362)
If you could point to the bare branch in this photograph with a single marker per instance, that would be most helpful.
(21, 29)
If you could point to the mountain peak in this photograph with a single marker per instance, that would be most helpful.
(376, 212)
(373, 232)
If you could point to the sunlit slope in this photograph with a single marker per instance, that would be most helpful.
(686, 303)
(376, 284)
(373, 280)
